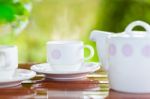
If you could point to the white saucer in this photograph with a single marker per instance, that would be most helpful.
(19, 76)
(46, 69)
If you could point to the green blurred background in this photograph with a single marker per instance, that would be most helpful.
(30, 24)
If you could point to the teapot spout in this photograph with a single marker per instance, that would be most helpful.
(96, 34)
(101, 39)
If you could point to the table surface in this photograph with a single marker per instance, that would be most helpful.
(96, 86)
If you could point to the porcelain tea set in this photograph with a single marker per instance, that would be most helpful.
(125, 56)
(65, 62)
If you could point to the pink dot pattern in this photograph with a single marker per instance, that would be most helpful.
(56, 54)
(112, 49)
(127, 50)
(146, 51)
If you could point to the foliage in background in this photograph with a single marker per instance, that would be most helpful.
(14, 15)
(70, 19)
(115, 15)
(11, 9)
(55, 20)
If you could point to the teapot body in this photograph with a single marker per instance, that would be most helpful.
(129, 64)
(127, 58)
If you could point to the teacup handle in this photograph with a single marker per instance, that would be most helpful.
(145, 25)
(91, 52)
(3, 60)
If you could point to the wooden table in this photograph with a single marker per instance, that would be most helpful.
(94, 87)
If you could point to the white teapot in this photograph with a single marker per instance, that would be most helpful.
(126, 57)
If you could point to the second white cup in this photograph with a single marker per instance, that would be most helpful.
(8, 61)
(67, 55)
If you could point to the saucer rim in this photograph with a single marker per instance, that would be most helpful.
(19, 79)
(96, 67)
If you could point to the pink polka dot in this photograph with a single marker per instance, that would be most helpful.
(112, 49)
(56, 54)
(146, 51)
(127, 50)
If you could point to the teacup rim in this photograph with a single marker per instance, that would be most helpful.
(7, 46)
(60, 42)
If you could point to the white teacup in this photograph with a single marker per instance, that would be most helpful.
(67, 55)
(8, 61)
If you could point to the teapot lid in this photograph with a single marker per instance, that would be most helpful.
(130, 33)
